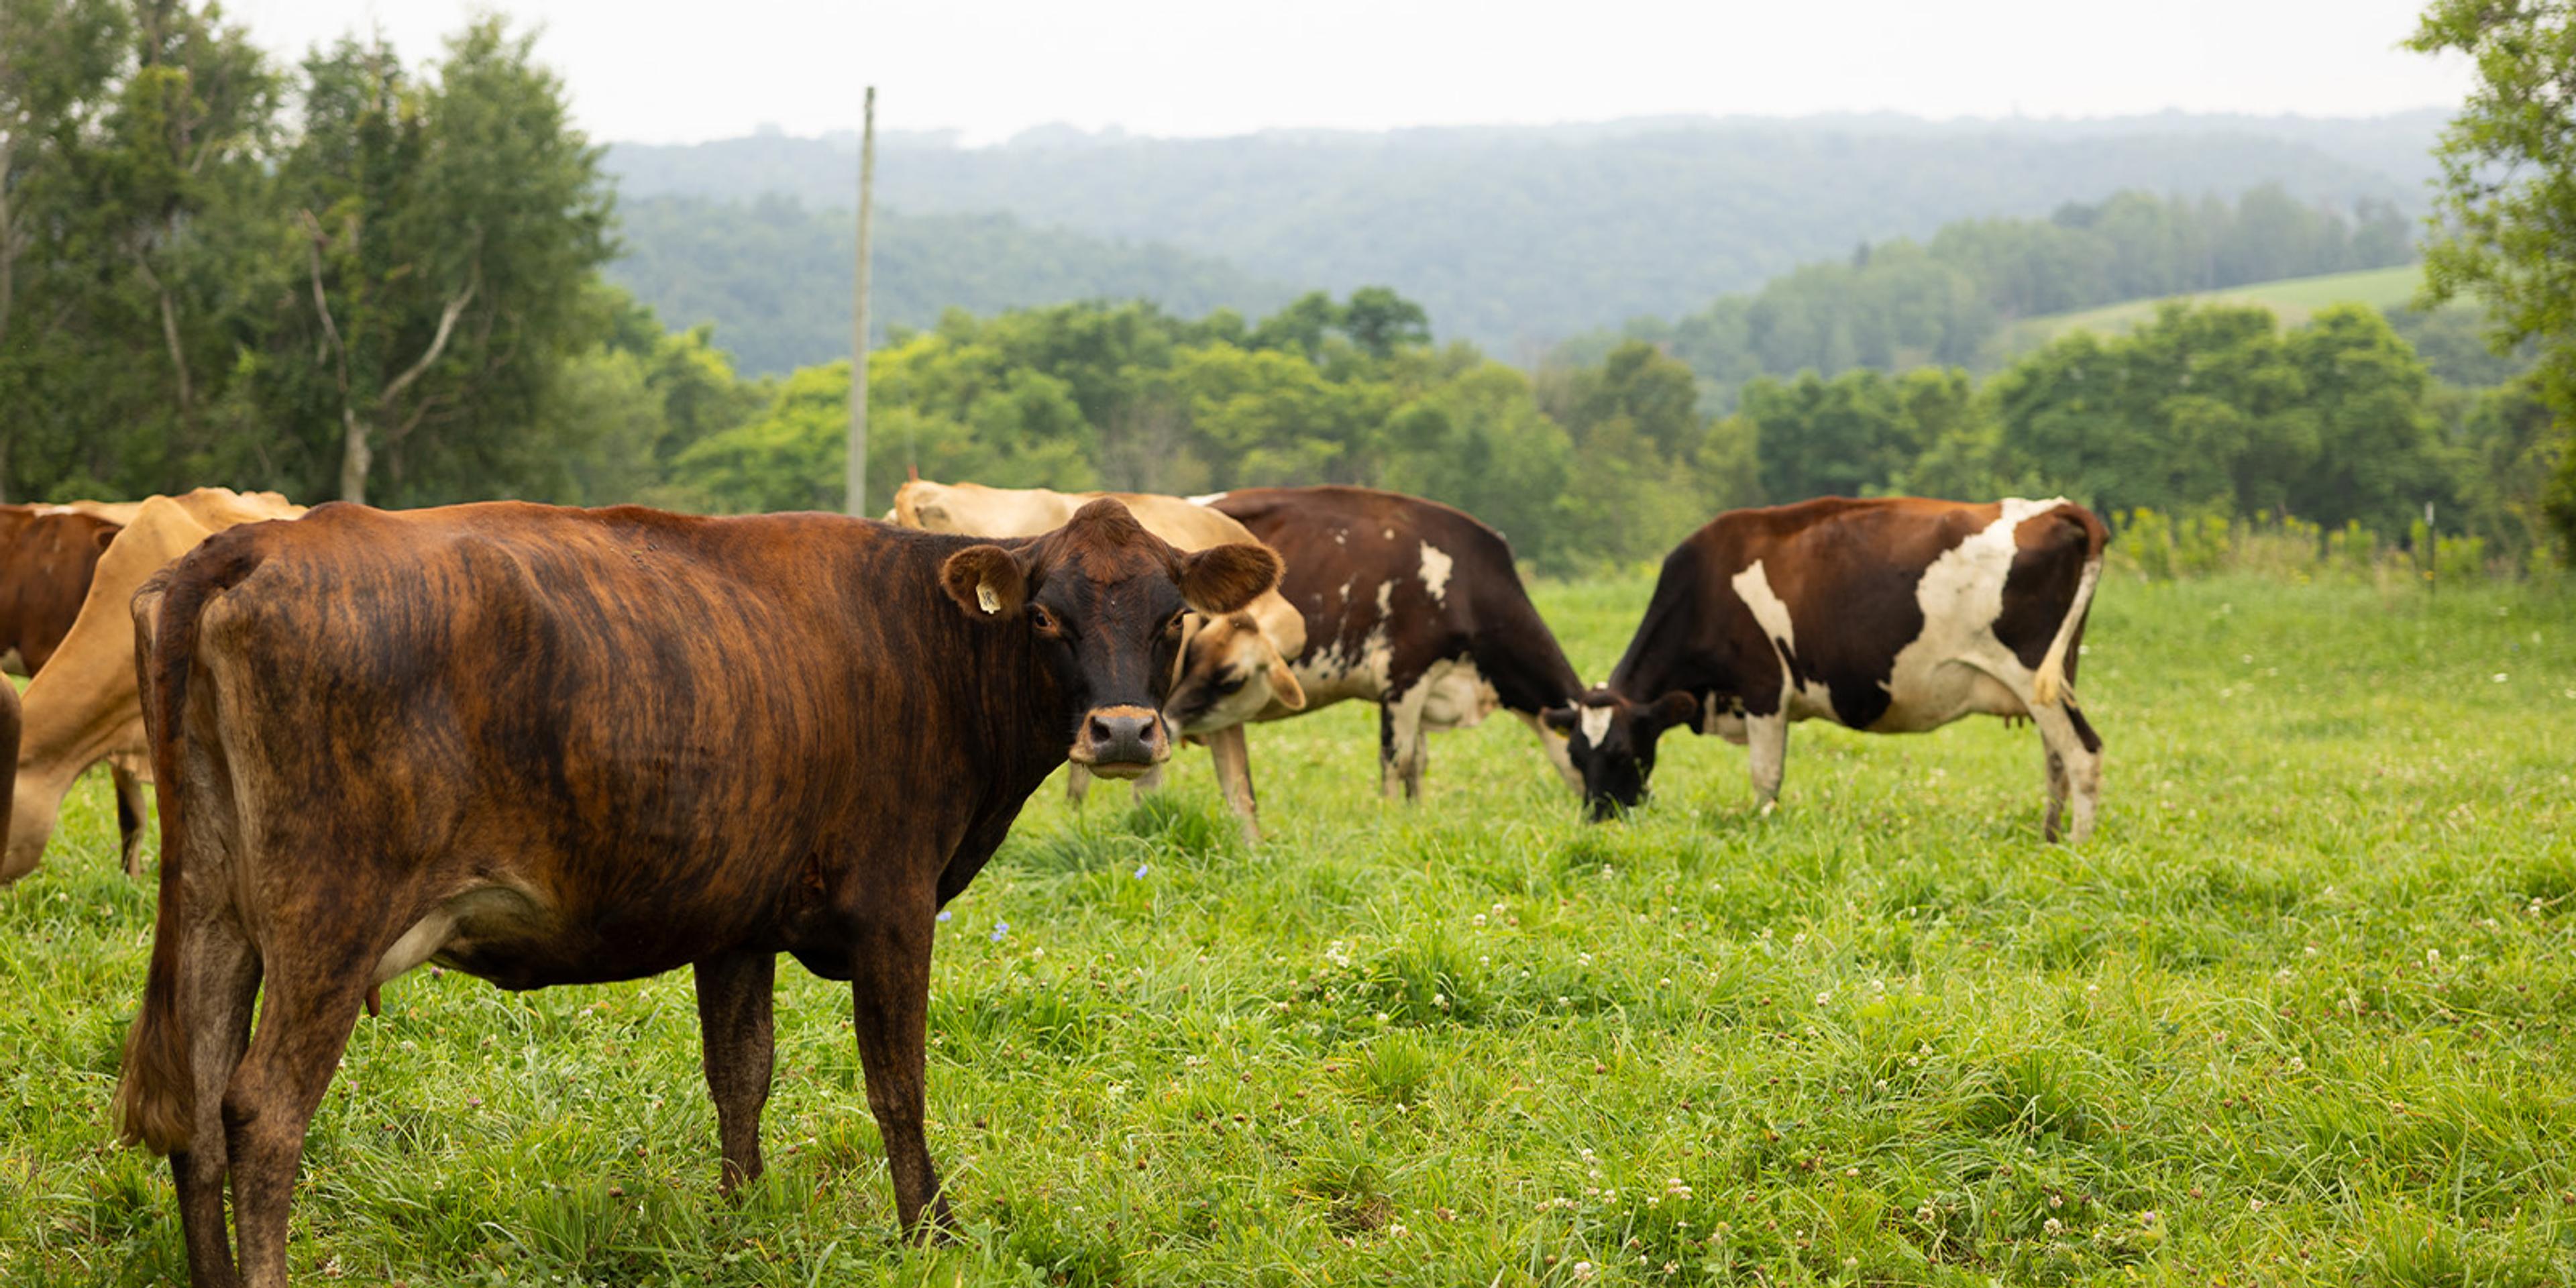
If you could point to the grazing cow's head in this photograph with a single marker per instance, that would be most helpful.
(1612, 743)
(1230, 672)
(1105, 602)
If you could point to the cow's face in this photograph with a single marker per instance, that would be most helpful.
(1230, 672)
(1612, 743)
(1103, 601)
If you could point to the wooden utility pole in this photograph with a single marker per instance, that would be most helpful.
(858, 467)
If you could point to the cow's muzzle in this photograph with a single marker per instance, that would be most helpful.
(1122, 742)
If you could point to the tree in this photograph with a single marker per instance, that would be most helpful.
(2508, 200)
(447, 232)
(133, 146)
(56, 60)
(2375, 456)
(1380, 321)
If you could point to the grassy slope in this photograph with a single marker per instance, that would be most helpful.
(2293, 299)
(2300, 1014)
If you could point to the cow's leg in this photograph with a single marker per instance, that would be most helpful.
(2054, 766)
(734, 1002)
(1400, 752)
(1232, 753)
(890, 1008)
(1766, 738)
(129, 816)
(2075, 766)
(307, 1010)
(219, 978)
(1558, 748)
(1077, 783)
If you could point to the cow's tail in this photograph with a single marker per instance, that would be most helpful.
(156, 1099)
(2052, 684)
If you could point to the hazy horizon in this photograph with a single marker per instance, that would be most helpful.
(1165, 69)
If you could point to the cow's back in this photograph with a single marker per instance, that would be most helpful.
(1853, 607)
(1380, 573)
(616, 709)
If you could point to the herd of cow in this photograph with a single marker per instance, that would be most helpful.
(551, 746)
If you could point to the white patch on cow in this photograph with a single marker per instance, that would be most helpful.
(1385, 598)
(1389, 534)
(1753, 586)
(1331, 674)
(1435, 570)
(1957, 667)
(1596, 724)
(1210, 498)
(1457, 696)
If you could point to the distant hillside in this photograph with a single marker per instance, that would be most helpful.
(1955, 298)
(2291, 299)
(1516, 237)
(774, 276)
(2451, 340)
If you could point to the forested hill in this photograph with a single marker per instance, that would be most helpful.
(1516, 237)
(773, 275)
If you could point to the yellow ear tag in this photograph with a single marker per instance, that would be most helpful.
(985, 597)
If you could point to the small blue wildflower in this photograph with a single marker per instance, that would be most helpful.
(943, 914)
(1142, 869)
(1000, 928)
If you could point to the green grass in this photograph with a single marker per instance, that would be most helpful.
(2300, 1014)
(2290, 299)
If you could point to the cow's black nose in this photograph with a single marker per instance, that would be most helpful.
(1125, 738)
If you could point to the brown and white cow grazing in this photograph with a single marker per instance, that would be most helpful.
(82, 708)
(46, 554)
(550, 746)
(1896, 615)
(1411, 605)
(1248, 650)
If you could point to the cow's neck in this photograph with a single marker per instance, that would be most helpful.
(1666, 653)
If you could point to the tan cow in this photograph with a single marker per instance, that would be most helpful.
(1249, 650)
(83, 708)
(122, 513)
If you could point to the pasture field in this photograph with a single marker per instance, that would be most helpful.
(2300, 1013)
(2290, 299)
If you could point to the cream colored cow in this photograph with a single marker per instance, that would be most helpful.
(84, 708)
(1250, 649)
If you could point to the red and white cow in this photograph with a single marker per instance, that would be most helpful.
(1894, 615)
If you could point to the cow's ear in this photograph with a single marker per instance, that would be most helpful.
(1284, 688)
(986, 581)
(1676, 707)
(1223, 579)
(1561, 719)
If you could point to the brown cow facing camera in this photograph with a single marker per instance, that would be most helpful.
(550, 746)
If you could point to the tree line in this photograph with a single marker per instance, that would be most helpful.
(2211, 411)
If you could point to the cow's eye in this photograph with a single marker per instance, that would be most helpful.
(1040, 618)
(1172, 628)
(1231, 684)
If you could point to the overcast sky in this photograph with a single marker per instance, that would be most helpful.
(655, 71)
